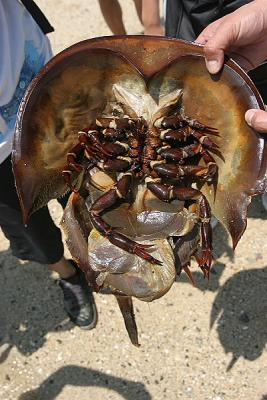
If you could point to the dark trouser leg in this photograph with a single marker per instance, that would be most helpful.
(41, 241)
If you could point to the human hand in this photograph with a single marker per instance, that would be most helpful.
(257, 119)
(243, 34)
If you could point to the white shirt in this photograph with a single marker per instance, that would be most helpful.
(24, 50)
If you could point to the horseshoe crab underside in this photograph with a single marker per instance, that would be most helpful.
(136, 77)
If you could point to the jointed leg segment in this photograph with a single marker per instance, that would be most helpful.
(168, 193)
(110, 199)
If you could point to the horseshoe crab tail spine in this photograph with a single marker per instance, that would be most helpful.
(127, 310)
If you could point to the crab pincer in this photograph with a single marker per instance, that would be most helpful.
(204, 261)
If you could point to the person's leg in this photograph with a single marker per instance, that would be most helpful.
(151, 18)
(41, 241)
(63, 267)
(138, 7)
(78, 297)
(112, 14)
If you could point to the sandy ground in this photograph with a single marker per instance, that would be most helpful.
(205, 343)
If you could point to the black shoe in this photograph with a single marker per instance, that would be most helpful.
(79, 302)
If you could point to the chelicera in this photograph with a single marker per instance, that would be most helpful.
(161, 149)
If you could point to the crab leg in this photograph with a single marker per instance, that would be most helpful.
(193, 123)
(72, 156)
(120, 164)
(204, 140)
(72, 165)
(170, 135)
(113, 134)
(178, 121)
(180, 153)
(178, 171)
(90, 152)
(211, 164)
(92, 143)
(115, 149)
(111, 199)
(168, 193)
(173, 121)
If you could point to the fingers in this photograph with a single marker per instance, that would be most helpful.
(257, 119)
(215, 44)
(241, 33)
(223, 39)
(208, 32)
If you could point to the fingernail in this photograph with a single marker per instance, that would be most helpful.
(249, 115)
(213, 66)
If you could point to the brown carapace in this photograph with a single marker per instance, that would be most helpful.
(151, 145)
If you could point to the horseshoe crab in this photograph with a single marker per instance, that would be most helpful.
(149, 144)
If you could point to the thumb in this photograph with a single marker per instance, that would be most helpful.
(257, 119)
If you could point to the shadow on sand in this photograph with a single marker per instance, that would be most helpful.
(79, 376)
(240, 307)
(240, 313)
(239, 310)
(32, 306)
